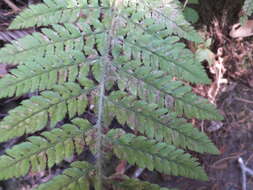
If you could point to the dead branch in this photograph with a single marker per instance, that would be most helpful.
(12, 5)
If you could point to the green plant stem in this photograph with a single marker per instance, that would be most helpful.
(99, 137)
(185, 3)
(100, 127)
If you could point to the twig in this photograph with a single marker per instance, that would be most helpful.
(245, 170)
(12, 5)
(232, 156)
(244, 100)
(185, 3)
(138, 172)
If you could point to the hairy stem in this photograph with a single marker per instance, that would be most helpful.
(106, 63)
(100, 126)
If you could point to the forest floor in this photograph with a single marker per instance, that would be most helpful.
(234, 99)
(234, 136)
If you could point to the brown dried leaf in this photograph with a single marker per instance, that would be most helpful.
(121, 168)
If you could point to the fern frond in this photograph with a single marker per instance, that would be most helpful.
(57, 11)
(55, 41)
(149, 154)
(175, 64)
(165, 15)
(40, 152)
(33, 114)
(45, 73)
(169, 13)
(126, 51)
(156, 50)
(156, 122)
(135, 184)
(156, 86)
(76, 177)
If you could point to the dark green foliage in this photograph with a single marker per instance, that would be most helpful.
(34, 113)
(122, 61)
(157, 122)
(39, 152)
(162, 157)
(76, 177)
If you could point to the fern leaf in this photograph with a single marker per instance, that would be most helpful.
(53, 41)
(149, 154)
(135, 184)
(154, 46)
(34, 114)
(156, 86)
(45, 73)
(153, 43)
(56, 11)
(76, 177)
(166, 15)
(39, 152)
(157, 122)
(170, 14)
(193, 72)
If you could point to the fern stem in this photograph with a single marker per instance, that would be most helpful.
(99, 126)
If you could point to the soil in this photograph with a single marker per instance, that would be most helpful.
(235, 101)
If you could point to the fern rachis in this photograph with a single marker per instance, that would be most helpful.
(124, 59)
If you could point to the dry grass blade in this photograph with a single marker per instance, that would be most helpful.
(11, 35)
